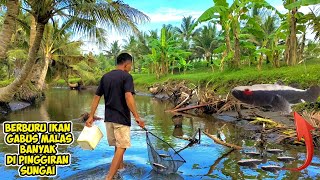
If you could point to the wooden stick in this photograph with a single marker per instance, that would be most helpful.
(188, 108)
(185, 100)
(233, 146)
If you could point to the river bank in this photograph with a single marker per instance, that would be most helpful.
(301, 76)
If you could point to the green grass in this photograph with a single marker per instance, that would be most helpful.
(62, 82)
(6, 82)
(88, 82)
(222, 82)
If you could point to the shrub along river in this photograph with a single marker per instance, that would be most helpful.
(206, 160)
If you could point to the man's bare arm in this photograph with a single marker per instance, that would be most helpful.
(94, 106)
(132, 106)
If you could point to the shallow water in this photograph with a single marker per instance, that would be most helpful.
(206, 160)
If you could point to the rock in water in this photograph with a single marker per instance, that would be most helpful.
(271, 168)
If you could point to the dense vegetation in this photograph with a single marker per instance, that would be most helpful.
(36, 38)
(245, 42)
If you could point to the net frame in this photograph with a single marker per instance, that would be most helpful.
(163, 164)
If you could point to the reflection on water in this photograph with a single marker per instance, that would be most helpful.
(204, 161)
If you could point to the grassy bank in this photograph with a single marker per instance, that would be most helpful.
(305, 75)
(222, 82)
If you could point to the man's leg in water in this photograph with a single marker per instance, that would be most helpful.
(121, 166)
(115, 164)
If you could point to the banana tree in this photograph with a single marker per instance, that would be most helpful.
(220, 13)
(229, 17)
(291, 44)
(166, 50)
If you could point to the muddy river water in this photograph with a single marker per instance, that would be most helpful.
(206, 160)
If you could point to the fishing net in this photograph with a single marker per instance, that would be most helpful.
(163, 158)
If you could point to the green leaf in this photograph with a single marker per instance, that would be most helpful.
(244, 16)
(299, 15)
(220, 49)
(163, 37)
(300, 3)
(301, 28)
(280, 47)
(210, 13)
(263, 50)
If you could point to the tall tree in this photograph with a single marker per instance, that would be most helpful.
(8, 27)
(114, 50)
(186, 29)
(131, 45)
(206, 41)
(56, 46)
(81, 16)
(230, 18)
(291, 43)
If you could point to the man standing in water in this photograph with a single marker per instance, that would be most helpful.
(118, 89)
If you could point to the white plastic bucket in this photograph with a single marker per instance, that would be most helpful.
(89, 137)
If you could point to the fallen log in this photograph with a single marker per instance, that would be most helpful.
(233, 146)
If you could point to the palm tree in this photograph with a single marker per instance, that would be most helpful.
(8, 27)
(114, 50)
(56, 46)
(131, 46)
(81, 16)
(206, 41)
(186, 30)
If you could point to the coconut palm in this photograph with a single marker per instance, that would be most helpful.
(8, 27)
(114, 50)
(82, 16)
(131, 46)
(56, 46)
(206, 41)
(187, 30)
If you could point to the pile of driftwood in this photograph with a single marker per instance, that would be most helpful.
(188, 97)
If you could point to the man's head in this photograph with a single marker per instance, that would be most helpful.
(124, 61)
